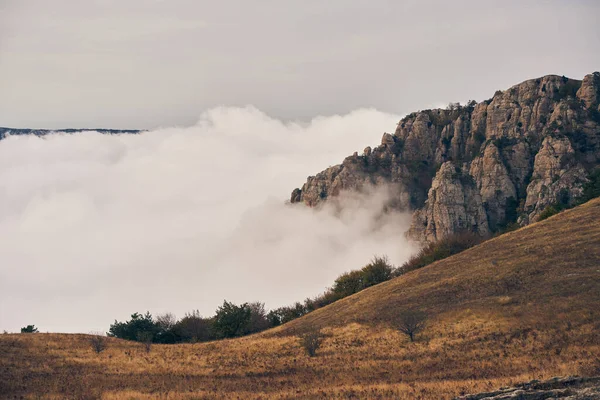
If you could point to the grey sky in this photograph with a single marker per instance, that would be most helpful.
(148, 63)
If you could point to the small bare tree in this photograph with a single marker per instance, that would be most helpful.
(145, 338)
(411, 322)
(98, 342)
(311, 341)
(166, 321)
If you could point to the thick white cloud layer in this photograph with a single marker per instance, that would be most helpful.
(95, 227)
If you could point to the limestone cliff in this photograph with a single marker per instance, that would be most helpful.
(483, 165)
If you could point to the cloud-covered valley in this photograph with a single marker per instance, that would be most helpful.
(95, 227)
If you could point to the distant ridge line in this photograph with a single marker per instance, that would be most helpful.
(42, 132)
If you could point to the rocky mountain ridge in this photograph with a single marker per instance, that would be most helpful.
(482, 166)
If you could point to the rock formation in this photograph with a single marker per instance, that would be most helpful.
(484, 165)
(567, 388)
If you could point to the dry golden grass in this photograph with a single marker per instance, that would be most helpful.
(522, 306)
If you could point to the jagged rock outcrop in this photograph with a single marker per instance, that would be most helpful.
(454, 204)
(567, 388)
(484, 165)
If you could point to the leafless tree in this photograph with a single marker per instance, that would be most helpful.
(258, 317)
(166, 321)
(193, 328)
(98, 342)
(146, 339)
(411, 322)
(311, 340)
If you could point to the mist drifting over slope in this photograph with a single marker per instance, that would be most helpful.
(95, 227)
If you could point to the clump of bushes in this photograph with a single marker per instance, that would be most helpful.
(311, 341)
(377, 271)
(29, 329)
(446, 247)
(549, 211)
(98, 343)
(232, 320)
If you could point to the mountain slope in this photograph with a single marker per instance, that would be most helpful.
(481, 166)
(522, 306)
(547, 271)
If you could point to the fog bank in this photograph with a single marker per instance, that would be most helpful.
(95, 227)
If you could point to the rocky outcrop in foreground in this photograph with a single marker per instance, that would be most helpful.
(569, 388)
(481, 166)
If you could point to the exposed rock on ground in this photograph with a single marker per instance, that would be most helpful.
(569, 388)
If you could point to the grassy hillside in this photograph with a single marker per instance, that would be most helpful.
(521, 306)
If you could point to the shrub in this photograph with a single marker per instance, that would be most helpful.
(285, 314)
(441, 249)
(548, 212)
(130, 330)
(311, 341)
(146, 338)
(258, 318)
(232, 320)
(29, 329)
(377, 271)
(98, 342)
(411, 322)
(348, 283)
(326, 298)
(193, 328)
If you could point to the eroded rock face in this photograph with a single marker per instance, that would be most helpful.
(566, 388)
(513, 155)
(453, 204)
(557, 175)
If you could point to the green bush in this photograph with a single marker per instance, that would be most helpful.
(441, 249)
(377, 271)
(348, 283)
(548, 212)
(232, 320)
(139, 325)
(29, 329)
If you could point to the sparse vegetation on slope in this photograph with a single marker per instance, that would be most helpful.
(520, 306)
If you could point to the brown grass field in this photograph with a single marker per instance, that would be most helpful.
(521, 306)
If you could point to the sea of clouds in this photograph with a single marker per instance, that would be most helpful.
(95, 227)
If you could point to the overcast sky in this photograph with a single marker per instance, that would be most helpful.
(244, 100)
(149, 63)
